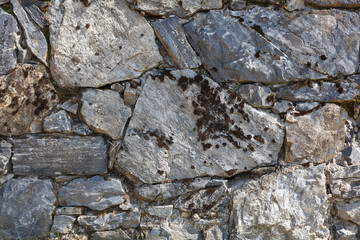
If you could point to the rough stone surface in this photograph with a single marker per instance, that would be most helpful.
(56, 154)
(183, 8)
(324, 132)
(104, 111)
(349, 211)
(26, 206)
(346, 231)
(5, 154)
(83, 57)
(8, 38)
(27, 96)
(69, 106)
(58, 122)
(80, 128)
(171, 34)
(131, 94)
(69, 211)
(35, 13)
(117, 87)
(256, 95)
(35, 38)
(237, 4)
(344, 181)
(111, 221)
(306, 106)
(5, 178)
(62, 224)
(282, 106)
(186, 134)
(335, 3)
(161, 211)
(293, 5)
(290, 204)
(95, 193)
(351, 155)
(231, 51)
(110, 235)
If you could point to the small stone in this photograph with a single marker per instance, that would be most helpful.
(58, 122)
(5, 178)
(117, 87)
(256, 95)
(36, 14)
(161, 211)
(306, 106)
(69, 211)
(104, 112)
(95, 193)
(237, 4)
(62, 224)
(69, 106)
(292, 5)
(282, 106)
(344, 182)
(351, 155)
(130, 95)
(5, 154)
(346, 230)
(171, 34)
(349, 211)
(110, 235)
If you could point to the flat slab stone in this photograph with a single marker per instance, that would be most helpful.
(53, 155)
(335, 3)
(5, 154)
(95, 193)
(87, 54)
(187, 126)
(36, 14)
(26, 207)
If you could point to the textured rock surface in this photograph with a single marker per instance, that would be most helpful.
(290, 204)
(237, 4)
(82, 56)
(62, 224)
(161, 211)
(282, 107)
(180, 8)
(171, 34)
(108, 235)
(349, 211)
(69, 211)
(186, 145)
(26, 206)
(8, 38)
(95, 193)
(306, 106)
(35, 13)
(344, 181)
(5, 154)
(324, 132)
(256, 95)
(56, 155)
(335, 3)
(27, 96)
(58, 122)
(104, 111)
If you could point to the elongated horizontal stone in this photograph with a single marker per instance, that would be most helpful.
(36, 14)
(56, 154)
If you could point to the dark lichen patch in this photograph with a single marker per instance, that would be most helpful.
(259, 139)
(86, 3)
(160, 172)
(323, 57)
(257, 54)
(258, 29)
(231, 172)
(161, 139)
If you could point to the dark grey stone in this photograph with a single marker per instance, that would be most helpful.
(5, 154)
(306, 106)
(62, 224)
(58, 122)
(282, 106)
(351, 155)
(36, 14)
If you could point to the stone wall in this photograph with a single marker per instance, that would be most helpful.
(153, 119)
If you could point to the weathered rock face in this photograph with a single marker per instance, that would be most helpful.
(35, 13)
(86, 54)
(335, 3)
(62, 224)
(104, 111)
(290, 204)
(344, 182)
(56, 154)
(187, 126)
(58, 122)
(95, 193)
(324, 132)
(256, 95)
(5, 154)
(9, 36)
(180, 8)
(29, 217)
(27, 96)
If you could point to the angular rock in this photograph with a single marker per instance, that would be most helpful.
(188, 126)
(58, 122)
(35, 38)
(326, 92)
(9, 36)
(62, 224)
(345, 181)
(293, 5)
(5, 154)
(69, 106)
(335, 3)
(349, 211)
(27, 96)
(80, 128)
(26, 206)
(282, 106)
(289, 204)
(53, 155)
(117, 87)
(306, 106)
(183, 8)
(231, 51)
(237, 4)
(104, 111)
(323, 41)
(4, 1)
(109, 235)
(171, 34)
(324, 132)
(69, 211)
(346, 231)
(111, 221)
(256, 95)
(216, 233)
(161, 211)
(83, 57)
(95, 193)
(36, 14)
(351, 155)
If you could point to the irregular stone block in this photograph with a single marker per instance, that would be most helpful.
(83, 57)
(69, 211)
(256, 95)
(69, 106)
(62, 224)
(26, 208)
(237, 4)
(187, 126)
(282, 106)
(95, 193)
(171, 34)
(293, 5)
(27, 96)
(104, 111)
(349, 211)
(130, 95)
(10, 35)
(5, 154)
(346, 230)
(161, 211)
(335, 3)
(306, 106)
(80, 128)
(55, 155)
(36, 14)
(345, 181)
(324, 132)
(117, 87)
(351, 155)
(109, 235)
(183, 8)
(111, 221)
(35, 38)
(282, 205)
(58, 122)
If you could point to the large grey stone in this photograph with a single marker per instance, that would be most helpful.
(5, 154)
(183, 8)
(26, 206)
(36, 14)
(231, 51)
(317, 137)
(104, 111)
(27, 96)
(171, 34)
(56, 154)
(62, 224)
(85, 53)
(335, 3)
(9, 36)
(289, 204)
(187, 126)
(95, 193)
(35, 38)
